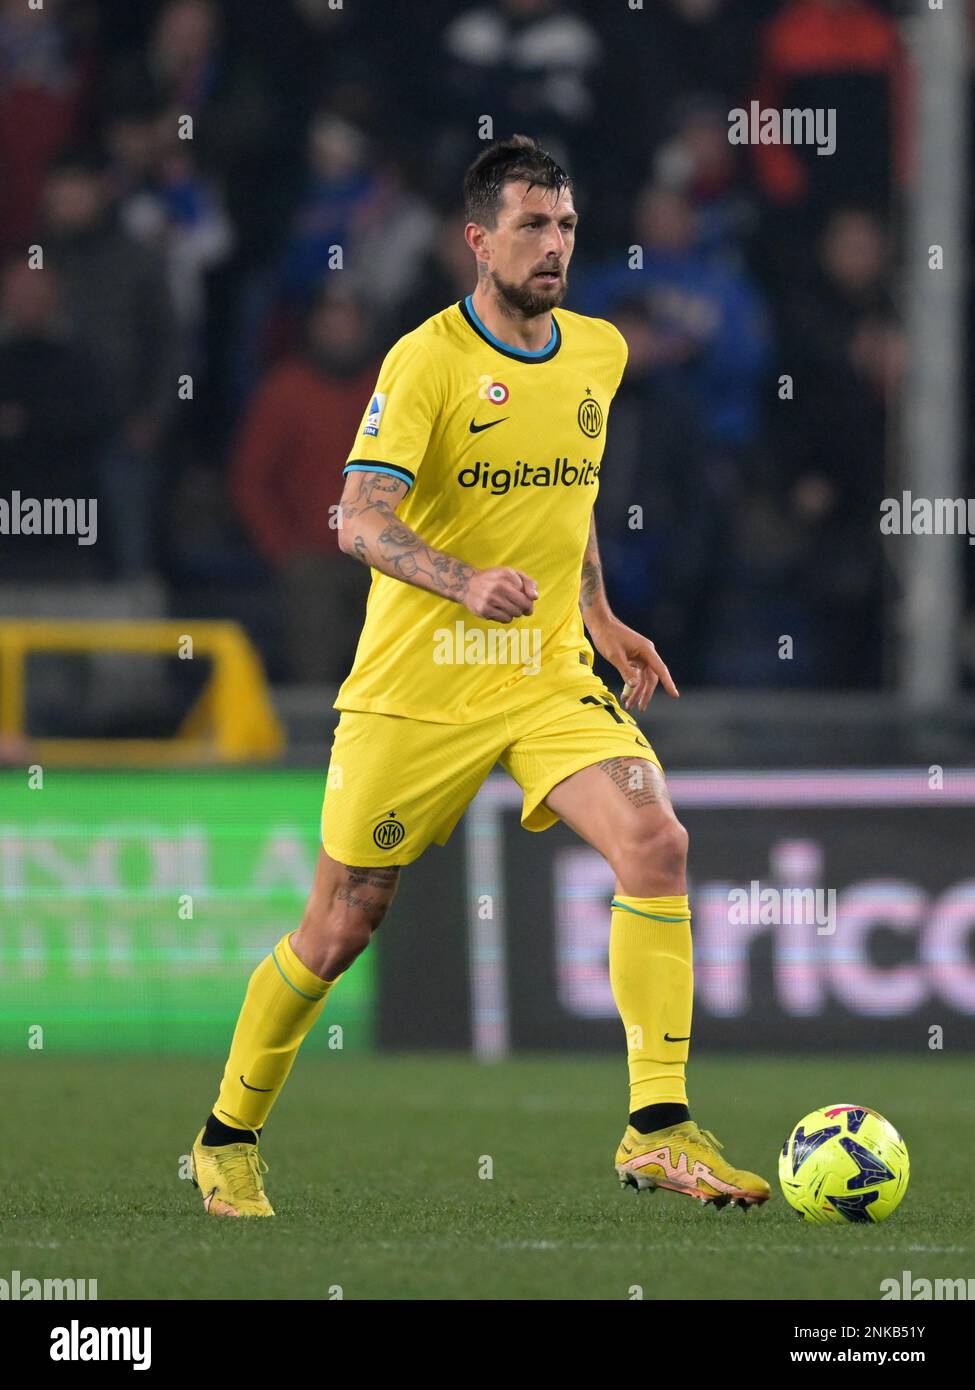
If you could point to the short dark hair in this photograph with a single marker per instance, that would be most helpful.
(509, 161)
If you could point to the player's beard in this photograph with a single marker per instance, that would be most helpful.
(525, 301)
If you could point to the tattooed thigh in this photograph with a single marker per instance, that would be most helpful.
(640, 781)
(369, 889)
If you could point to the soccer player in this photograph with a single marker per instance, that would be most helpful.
(469, 493)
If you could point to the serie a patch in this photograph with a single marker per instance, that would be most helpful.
(375, 414)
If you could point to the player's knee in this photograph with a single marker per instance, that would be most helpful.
(670, 848)
(341, 950)
(337, 927)
(329, 946)
(658, 850)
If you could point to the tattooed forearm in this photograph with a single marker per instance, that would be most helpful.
(635, 779)
(374, 534)
(592, 581)
(408, 557)
(592, 592)
(377, 537)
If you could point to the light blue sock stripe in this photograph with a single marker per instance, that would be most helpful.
(652, 915)
(313, 997)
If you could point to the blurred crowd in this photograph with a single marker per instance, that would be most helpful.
(240, 206)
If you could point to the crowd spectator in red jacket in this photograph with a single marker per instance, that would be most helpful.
(840, 54)
(287, 477)
(42, 86)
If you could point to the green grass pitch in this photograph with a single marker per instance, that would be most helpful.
(375, 1177)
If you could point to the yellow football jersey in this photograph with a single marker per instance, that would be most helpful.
(501, 449)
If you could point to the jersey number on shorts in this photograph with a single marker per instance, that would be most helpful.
(611, 710)
(607, 705)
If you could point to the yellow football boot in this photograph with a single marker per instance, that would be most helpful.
(231, 1179)
(685, 1159)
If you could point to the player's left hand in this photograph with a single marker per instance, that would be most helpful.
(636, 659)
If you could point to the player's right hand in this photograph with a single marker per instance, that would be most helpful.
(501, 594)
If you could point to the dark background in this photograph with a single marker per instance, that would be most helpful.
(314, 127)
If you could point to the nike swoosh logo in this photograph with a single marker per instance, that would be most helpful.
(625, 1149)
(476, 429)
(667, 1038)
(266, 1089)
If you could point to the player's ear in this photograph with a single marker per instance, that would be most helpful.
(474, 235)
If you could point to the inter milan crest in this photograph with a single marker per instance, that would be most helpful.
(590, 415)
(388, 833)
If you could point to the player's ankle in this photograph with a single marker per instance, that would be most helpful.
(216, 1133)
(649, 1118)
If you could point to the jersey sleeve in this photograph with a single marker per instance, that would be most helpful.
(395, 430)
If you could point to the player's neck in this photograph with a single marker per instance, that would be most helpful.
(514, 329)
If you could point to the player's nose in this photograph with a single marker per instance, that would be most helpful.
(554, 243)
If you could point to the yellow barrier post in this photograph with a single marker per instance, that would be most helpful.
(232, 720)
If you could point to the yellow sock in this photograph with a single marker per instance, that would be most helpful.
(283, 1000)
(652, 978)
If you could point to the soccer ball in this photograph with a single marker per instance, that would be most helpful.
(844, 1163)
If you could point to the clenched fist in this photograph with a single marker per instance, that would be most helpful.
(501, 594)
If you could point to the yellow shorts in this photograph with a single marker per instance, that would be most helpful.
(397, 785)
